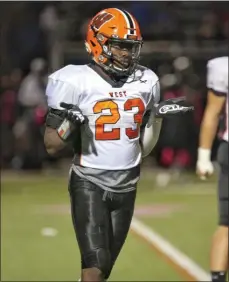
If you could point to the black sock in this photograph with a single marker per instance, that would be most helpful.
(218, 276)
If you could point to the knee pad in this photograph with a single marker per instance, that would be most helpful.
(99, 258)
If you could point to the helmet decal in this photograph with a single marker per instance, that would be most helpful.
(101, 19)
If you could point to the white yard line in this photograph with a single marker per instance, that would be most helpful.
(168, 250)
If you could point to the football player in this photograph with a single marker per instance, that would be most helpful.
(108, 112)
(217, 83)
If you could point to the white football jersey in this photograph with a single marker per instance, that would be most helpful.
(217, 80)
(110, 140)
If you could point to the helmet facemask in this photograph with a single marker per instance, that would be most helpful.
(122, 55)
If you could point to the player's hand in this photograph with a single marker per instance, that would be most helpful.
(204, 169)
(204, 166)
(173, 107)
(73, 113)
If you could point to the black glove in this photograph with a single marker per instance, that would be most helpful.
(173, 107)
(73, 113)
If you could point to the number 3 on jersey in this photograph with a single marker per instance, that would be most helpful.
(113, 118)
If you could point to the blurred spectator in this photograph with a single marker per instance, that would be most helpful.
(8, 116)
(27, 130)
(49, 23)
(49, 19)
(31, 93)
(209, 28)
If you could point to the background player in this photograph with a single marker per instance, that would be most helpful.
(217, 83)
(106, 111)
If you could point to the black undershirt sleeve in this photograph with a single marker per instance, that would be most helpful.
(54, 118)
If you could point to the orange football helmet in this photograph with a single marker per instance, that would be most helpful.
(111, 26)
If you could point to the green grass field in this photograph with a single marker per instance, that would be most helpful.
(184, 212)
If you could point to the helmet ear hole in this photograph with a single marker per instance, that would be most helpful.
(93, 43)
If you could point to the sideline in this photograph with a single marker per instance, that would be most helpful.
(187, 268)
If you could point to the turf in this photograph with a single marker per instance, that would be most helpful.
(28, 204)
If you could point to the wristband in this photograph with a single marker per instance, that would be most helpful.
(204, 154)
(65, 129)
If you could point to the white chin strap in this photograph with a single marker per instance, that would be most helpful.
(119, 69)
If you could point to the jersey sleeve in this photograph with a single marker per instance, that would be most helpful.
(156, 92)
(58, 91)
(154, 96)
(154, 99)
(217, 80)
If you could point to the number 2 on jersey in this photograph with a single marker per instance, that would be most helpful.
(113, 118)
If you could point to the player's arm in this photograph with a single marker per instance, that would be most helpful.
(63, 115)
(210, 120)
(208, 131)
(151, 125)
(165, 109)
(57, 131)
(53, 142)
(150, 131)
(215, 101)
(61, 126)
